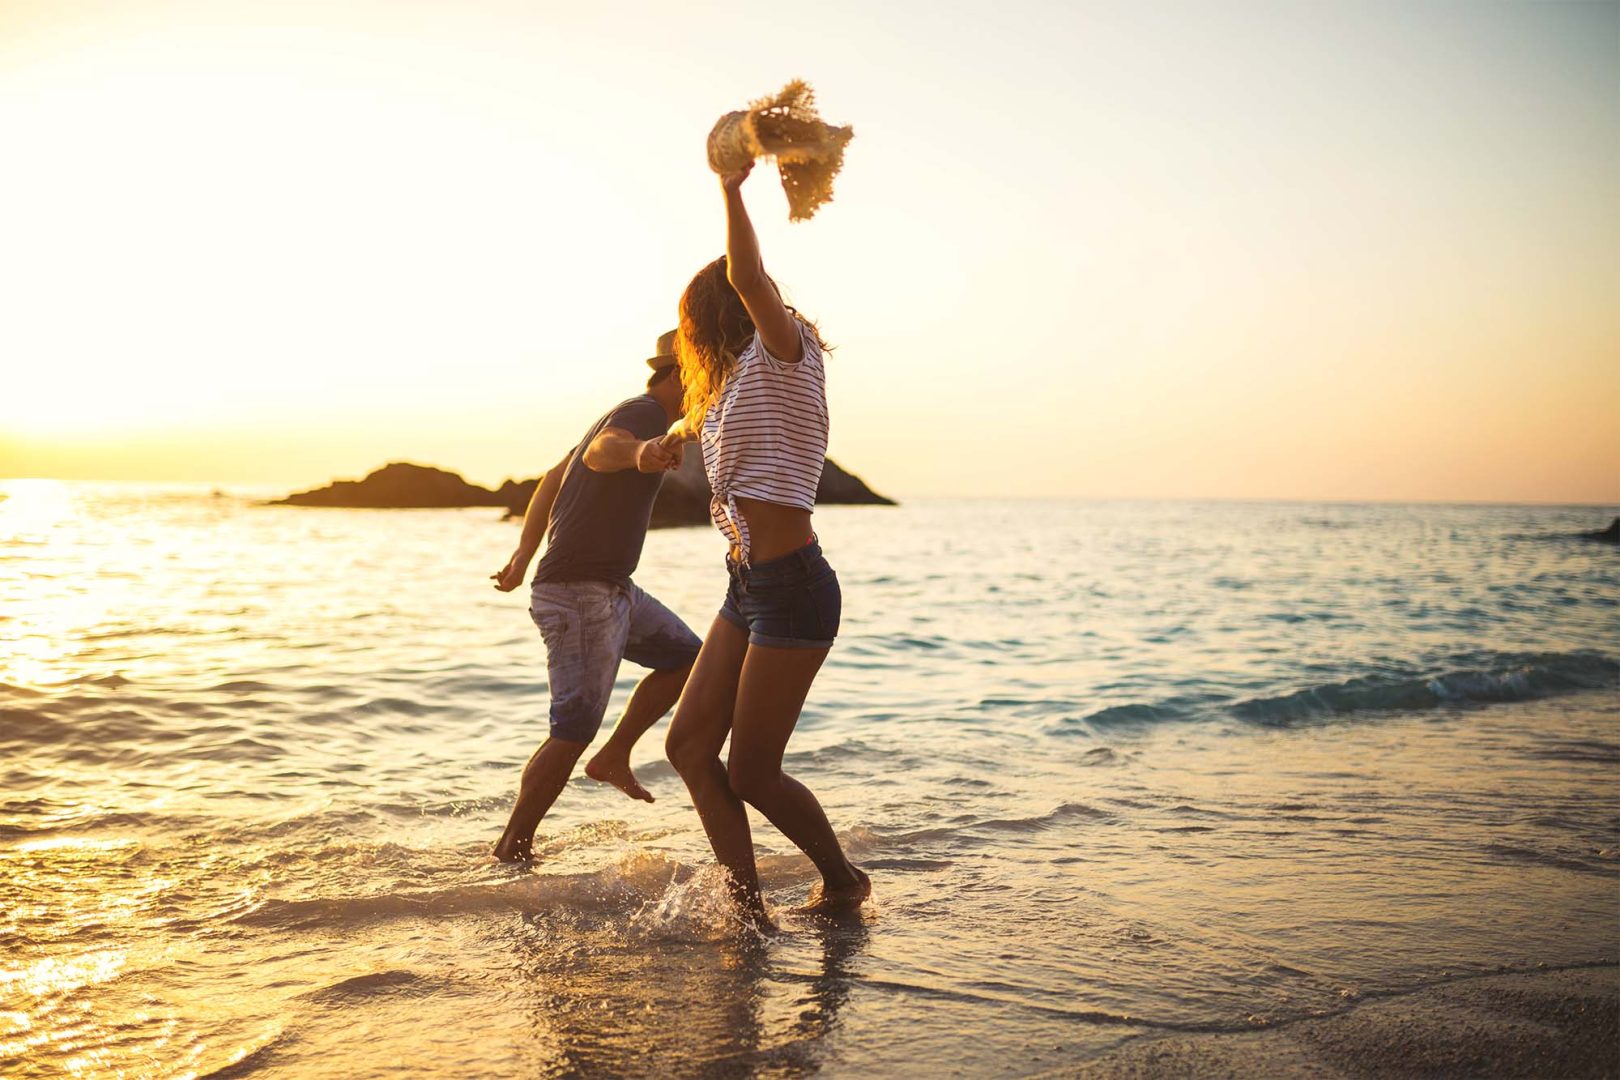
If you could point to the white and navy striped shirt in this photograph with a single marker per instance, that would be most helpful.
(765, 437)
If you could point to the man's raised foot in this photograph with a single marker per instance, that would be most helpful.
(612, 769)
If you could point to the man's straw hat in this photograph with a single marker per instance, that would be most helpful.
(666, 352)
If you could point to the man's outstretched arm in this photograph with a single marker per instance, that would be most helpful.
(535, 520)
(616, 449)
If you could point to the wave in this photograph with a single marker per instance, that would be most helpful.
(1465, 679)
(1501, 677)
(632, 880)
(643, 891)
(374, 984)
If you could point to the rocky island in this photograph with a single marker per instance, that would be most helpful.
(683, 500)
(1611, 535)
(398, 486)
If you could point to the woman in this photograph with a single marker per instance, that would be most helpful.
(756, 399)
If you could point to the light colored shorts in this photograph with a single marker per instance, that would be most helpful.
(588, 627)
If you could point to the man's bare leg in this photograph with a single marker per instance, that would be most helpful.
(544, 777)
(654, 697)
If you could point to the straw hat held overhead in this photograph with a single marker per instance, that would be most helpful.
(808, 151)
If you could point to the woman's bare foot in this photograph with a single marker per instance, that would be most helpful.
(610, 769)
(830, 900)
(754, 917)
(511, 850)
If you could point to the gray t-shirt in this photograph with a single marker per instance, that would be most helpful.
(599, 521)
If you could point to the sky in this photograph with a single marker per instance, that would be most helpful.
(1148, 250)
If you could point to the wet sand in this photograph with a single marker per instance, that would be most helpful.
(1536, 1024)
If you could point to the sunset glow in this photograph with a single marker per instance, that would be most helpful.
(1360, 251)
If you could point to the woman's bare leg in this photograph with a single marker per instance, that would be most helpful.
(702, 721)
(770, 694)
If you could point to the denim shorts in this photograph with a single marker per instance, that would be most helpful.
(588, 627)
(792, 602)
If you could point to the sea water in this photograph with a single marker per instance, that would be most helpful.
(1113, 767)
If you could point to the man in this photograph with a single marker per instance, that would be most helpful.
(597, 502)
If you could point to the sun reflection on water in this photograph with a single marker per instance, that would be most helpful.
(55, 975)
(30, 507)
(40, 637)
(73, 843)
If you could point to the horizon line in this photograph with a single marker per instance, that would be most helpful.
(1614, 502)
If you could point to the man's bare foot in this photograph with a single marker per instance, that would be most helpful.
(513, 851)
(828, 900)
(616, 771)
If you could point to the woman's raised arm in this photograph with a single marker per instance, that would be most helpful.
(778, 329)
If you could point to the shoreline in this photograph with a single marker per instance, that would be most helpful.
(1562, 1022)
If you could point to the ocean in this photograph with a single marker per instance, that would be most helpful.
(1115, 768)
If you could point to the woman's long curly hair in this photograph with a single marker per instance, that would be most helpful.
(715, 329)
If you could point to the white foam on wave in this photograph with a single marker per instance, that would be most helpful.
(626, 882)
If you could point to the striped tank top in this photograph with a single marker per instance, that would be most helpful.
(765, 436)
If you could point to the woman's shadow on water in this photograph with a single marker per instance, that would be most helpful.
(610, 1003)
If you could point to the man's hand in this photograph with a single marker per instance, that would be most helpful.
(653, 456)
(674, 444)
(510, 576)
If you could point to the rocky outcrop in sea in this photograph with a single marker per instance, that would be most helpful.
(398, 485)
(683, 500)
(1611, 535)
